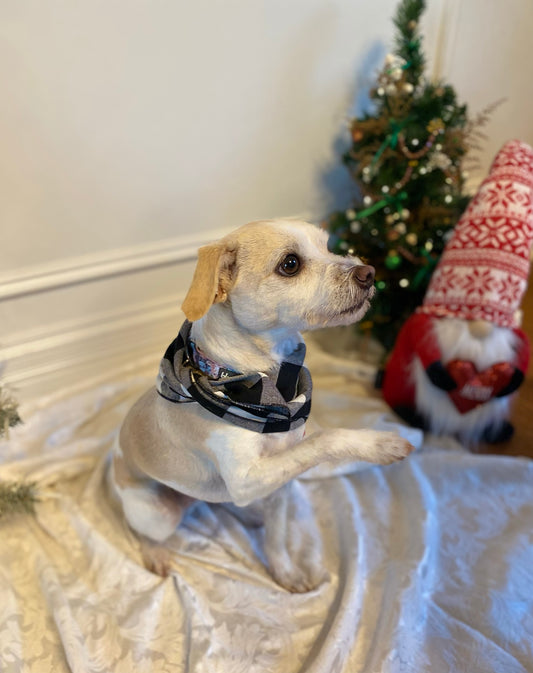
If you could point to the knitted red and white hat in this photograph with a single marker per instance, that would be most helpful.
(482, 273)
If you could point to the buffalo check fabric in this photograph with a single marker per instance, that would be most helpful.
(256, 401)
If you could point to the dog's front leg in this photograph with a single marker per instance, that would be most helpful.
(247, 481)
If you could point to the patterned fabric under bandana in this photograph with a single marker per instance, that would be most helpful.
(252, 401)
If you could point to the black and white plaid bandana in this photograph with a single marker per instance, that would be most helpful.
(252, 401)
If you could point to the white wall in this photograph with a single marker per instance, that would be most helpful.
(132, 132)
(130, 121)
(485, 55)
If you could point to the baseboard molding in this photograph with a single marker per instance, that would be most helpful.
(82, 319)
(92, 349)
(103, 265)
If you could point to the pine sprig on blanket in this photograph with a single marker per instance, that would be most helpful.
(17, 498)
(8, 412)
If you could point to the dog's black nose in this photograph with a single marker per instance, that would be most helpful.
(364, 275)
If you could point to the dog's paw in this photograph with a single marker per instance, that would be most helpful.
(391, 447)
(156, 558)
(298, 580)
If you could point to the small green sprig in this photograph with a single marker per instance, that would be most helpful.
(17, 498)
(9, 415)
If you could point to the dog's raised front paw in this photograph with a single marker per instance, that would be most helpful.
(391, 447)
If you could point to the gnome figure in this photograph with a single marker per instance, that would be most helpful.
(460, 357)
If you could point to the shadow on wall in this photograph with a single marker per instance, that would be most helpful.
(337, 188)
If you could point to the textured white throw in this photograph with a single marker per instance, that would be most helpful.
(429, 562)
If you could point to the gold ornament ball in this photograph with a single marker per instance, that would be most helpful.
(401, 228)
(435, 125)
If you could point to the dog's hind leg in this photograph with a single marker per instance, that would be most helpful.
(151, 509)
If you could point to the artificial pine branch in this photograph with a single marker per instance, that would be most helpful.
(8, 412)
(407, 12)
(17, 498)
(407, 41)
(472, 128)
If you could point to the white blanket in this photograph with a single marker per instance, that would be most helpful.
(429, 562)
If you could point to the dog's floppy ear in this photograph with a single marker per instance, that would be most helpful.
(212, 280)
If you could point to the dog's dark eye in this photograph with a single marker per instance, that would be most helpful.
(289, 266)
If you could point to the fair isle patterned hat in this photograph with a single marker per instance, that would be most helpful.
(483, 271)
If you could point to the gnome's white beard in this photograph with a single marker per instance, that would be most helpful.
(456, 342)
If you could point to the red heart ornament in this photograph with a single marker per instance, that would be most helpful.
(475, 388)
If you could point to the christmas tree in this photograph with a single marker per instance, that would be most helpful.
(407, 159)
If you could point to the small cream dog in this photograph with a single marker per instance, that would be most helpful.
(251, 295)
